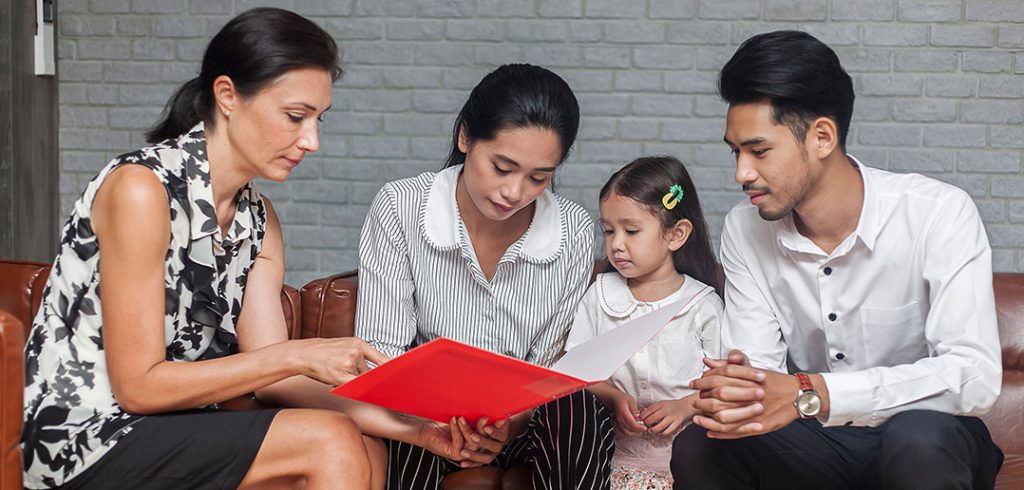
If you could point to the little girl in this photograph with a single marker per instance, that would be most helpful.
(656, 240)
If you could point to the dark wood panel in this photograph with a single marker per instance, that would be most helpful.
(29, 125)
(6, 165)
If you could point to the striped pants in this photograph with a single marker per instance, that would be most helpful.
(569, 445)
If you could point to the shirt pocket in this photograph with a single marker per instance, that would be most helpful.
(893, 336)
(679, 360)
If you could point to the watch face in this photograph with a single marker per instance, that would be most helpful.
(809, 404)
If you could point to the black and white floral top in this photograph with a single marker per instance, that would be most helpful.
(71, 416)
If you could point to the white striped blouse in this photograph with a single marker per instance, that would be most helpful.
(419, 278)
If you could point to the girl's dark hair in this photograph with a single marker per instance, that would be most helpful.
(646, 180)
(517, 96)
(798, 74)
(253, 49)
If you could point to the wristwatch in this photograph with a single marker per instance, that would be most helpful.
(808, 401)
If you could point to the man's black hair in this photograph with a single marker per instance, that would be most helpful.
(798, 74)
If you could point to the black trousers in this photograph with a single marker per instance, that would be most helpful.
(568, 444)
(918, 449)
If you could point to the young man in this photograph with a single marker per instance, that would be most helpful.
(859, 301)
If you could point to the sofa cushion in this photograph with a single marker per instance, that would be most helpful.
(1011, 476)
(1006, 419)
(329, 306)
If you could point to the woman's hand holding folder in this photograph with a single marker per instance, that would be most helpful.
(460, 443)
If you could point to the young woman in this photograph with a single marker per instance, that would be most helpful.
(482, 252)
(164, 298)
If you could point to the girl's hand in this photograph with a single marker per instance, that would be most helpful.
(627, 416)
(447, 441)
(335, 361)
(484, 443)
(668, 416)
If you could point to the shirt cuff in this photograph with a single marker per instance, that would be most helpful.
(850, 397)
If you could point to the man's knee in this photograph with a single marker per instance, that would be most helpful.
(924, 439)
(692, 450)
(921, 433)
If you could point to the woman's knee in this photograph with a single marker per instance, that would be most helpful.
(319, 438)
(581, 407)
(335, 435)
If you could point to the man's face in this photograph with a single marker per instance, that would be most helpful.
(771, 164)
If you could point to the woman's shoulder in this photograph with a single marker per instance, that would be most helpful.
(577, 221)
(408, 191)
(168, 156)
(414, 185)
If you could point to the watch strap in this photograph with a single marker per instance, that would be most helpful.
(805, 382)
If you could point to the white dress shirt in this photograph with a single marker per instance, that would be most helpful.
(419, 278)
(900, 316)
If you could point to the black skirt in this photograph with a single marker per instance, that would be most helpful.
(207, 449)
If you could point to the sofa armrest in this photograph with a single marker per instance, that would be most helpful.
(21, 290)
(12, 379)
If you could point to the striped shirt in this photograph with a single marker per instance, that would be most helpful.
(420, 279)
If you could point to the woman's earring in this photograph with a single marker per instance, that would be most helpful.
(227, 113)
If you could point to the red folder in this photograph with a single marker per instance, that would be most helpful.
(444, 378)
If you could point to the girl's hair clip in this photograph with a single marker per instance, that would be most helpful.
(674, 196)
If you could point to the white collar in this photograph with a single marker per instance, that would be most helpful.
(618, 301)
(443, 229)
(867, 226)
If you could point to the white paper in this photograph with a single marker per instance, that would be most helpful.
(598, 358)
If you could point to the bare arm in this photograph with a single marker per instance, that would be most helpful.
(261, 326)
(626, 414)
(132, 299)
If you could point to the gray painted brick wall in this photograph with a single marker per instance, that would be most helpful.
(939, 86)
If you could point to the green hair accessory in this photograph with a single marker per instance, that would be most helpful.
(674, 196)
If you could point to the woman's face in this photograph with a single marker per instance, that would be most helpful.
(273, 130)
(506, 174)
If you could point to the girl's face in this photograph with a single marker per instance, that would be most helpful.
(637, 244)
(505, 175)
(273, 130)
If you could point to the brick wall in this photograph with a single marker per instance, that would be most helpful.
(940, 87)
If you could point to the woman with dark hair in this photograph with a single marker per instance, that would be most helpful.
(129, 355)
(482, 252)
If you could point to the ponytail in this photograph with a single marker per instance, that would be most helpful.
(183, 111)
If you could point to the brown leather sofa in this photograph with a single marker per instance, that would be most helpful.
(326, 308)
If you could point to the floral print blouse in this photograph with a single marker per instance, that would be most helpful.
(71, 416)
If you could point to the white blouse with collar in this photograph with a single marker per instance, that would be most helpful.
(419, 277)
(662, 368)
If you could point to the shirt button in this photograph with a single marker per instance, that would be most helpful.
(840, 356)
(827, 271)
(832, 317)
